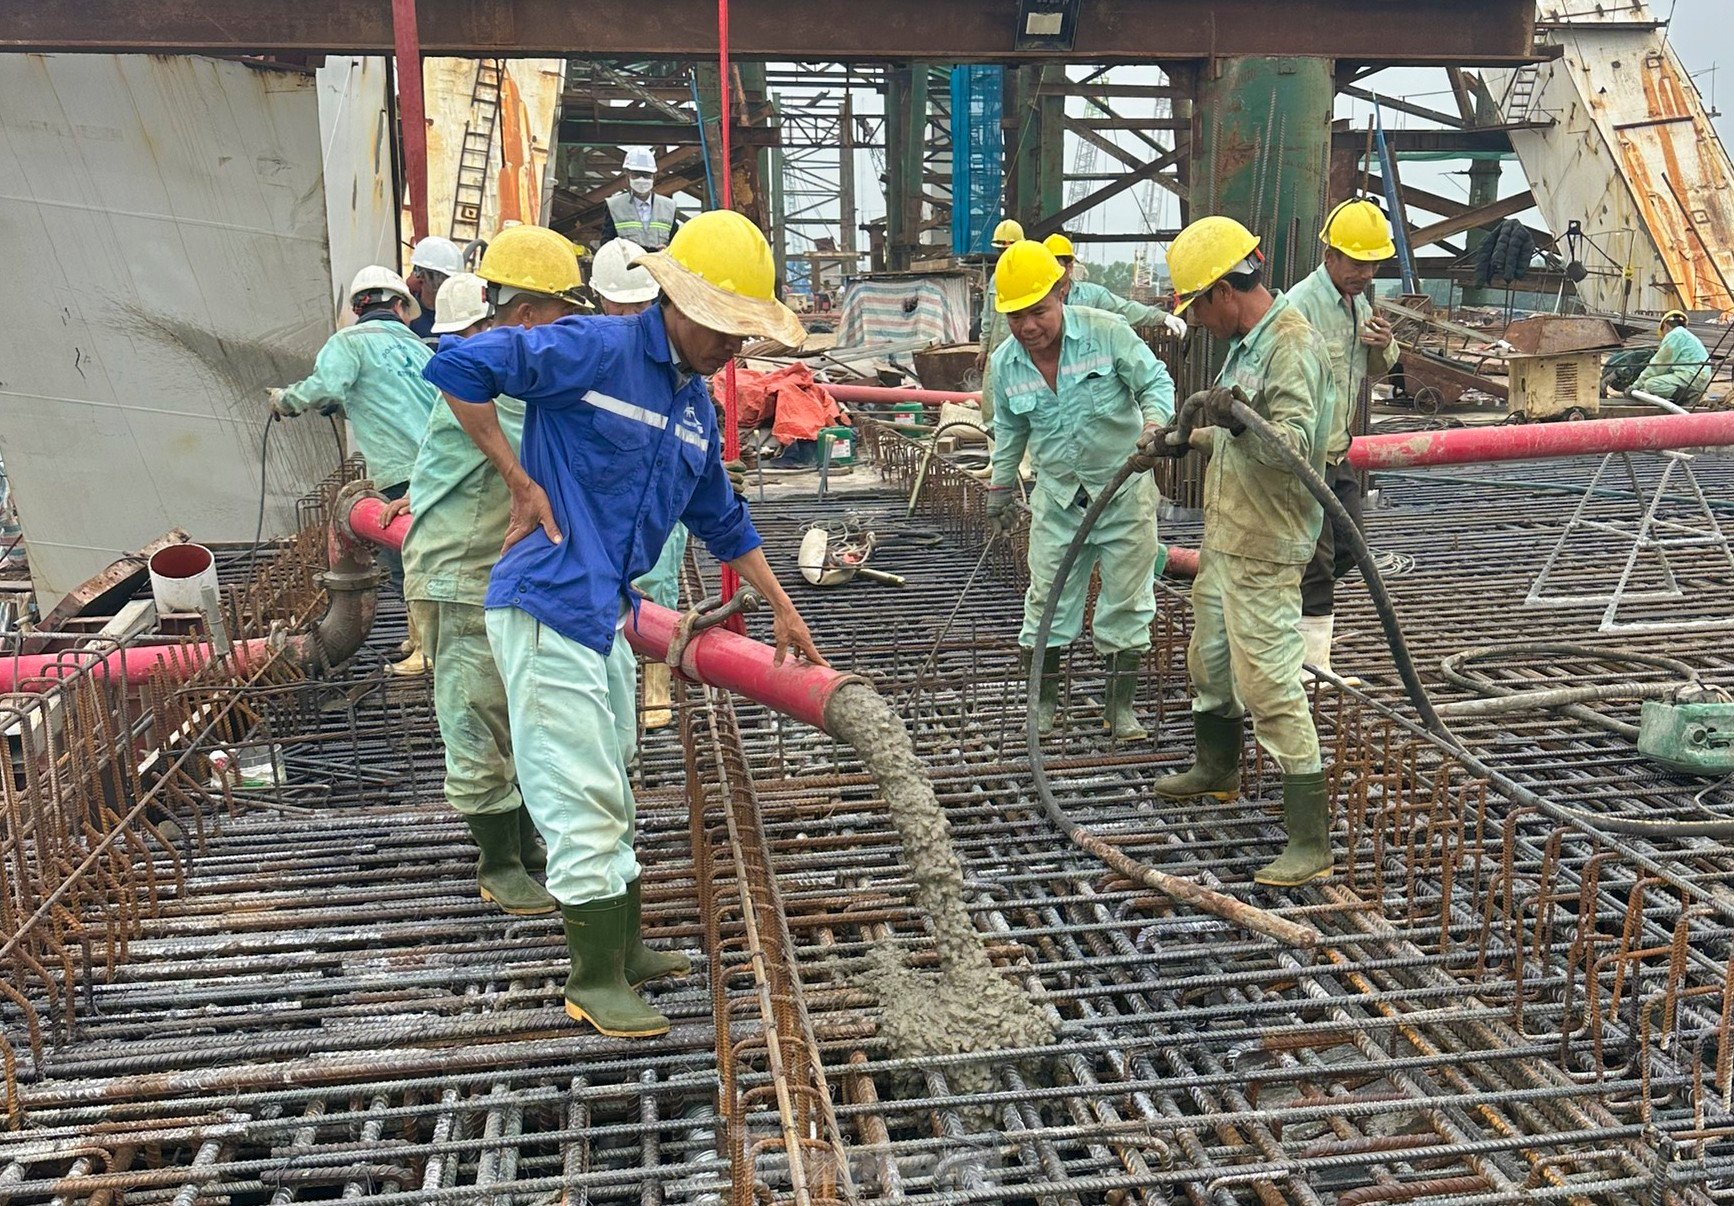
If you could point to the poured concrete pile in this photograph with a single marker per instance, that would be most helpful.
(968, 1006)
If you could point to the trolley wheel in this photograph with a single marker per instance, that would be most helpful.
(1428, 400)
(1576, 414)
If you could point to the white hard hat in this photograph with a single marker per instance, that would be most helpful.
(378, 278)
(640, 162)
(437, 255)
(462, 302)
(613, 276)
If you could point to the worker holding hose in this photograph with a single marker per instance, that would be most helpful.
(1333, 298)
(1076, 388)
(526, 278)
(1260, 526)
(621, 441)
(1088, 293)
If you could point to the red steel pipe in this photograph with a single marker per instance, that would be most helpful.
(412, 112)
(1532, 441)
(45, 671)
(364, 518)
(896, 393)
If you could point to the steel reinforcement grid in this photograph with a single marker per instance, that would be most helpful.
(1511, 1002)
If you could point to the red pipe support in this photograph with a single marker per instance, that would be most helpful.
(896, 393)
(1531, 441)
(412, 111)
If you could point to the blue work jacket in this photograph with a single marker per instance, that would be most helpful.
(625, 444)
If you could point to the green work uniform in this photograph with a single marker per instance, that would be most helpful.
(1088, 293)
(1260, 525)
(1680, 369)
(1339, 322)
(994, 331)
(662, 584)
(461, 507)
(373, 371)
(1078, 437)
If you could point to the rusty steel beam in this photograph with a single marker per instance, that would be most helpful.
(1109, 31)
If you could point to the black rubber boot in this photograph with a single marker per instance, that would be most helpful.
(500, 869)
(1048, 701)
(1117, 716)
(1306, 814)
(531, 852)
(644, 963)
(1216, 770)
(596, 987)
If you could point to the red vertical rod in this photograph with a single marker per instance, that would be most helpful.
(731, 409)
(412, 111)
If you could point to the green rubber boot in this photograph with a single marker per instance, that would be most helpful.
(1048, 701)
(644, 963)
(596, 989)
(500, 871)
(1216, 770)
(1306, 814)
(531, 852)
(1118, 717)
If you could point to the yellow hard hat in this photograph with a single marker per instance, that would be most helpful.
(1358, 229)
(534, 259)
(1026, 272)
(1678, 316)
(1009, 231)
(1205, 252)
(1060, 245)
(718, 271)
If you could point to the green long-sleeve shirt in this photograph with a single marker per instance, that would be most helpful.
(373, 371)
(1680, 362)
(1088, 293)
(461, 507)
(1110, 386)
(1339, 321)
(1253, 506)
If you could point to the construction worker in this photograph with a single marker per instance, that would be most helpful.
(1088, 293)
(638, 212)
(433, 261)
(1679, 372)
(1361, 346)
(1260, 527)
(1076, 388)
(621, 440)
(371, 371)
(526, 278)
(993, 325)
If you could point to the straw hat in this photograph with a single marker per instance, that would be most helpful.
(719, 272)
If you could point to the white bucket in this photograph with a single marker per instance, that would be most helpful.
(180, 573)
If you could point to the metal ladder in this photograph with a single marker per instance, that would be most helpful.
(1520, 93)
(473, 154)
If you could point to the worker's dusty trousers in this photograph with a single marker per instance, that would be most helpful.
(1333, 558)
(470, 703)
(1245, 655)
(1122, 544)
(574, 730)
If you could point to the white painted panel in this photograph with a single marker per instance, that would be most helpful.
(164, 225)
(360, 203)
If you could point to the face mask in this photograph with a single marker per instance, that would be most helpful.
(642, 184)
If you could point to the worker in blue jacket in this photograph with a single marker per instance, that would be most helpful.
(621, 442)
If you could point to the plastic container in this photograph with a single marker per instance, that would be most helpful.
(908, 414)
(180, 573)
(837, 445)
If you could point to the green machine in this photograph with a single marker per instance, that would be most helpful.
(1692, 738)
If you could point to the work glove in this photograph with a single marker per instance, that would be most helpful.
(1218, 411)
(1174, 325)
(1153, 446)
(279, 407)
(1002, 513)
(737, 471)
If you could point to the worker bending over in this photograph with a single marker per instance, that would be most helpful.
(1088, 293)
(1260, 526)
(1680, 370)
(1075, 387)
(527, 277)
(1333, 298)
(621, 440)
(371, 372)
